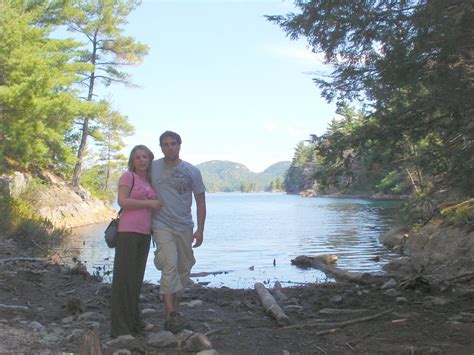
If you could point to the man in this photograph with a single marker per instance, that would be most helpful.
(175, 182)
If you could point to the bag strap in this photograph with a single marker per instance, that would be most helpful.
(133, 184)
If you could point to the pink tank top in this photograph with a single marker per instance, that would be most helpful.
(136, 219)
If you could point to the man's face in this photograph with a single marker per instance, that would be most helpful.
(170, 148)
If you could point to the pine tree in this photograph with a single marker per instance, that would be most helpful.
(100, 23)
(37, 102)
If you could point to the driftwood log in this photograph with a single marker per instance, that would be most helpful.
(325, 264)
(278, 292)
(270, 305)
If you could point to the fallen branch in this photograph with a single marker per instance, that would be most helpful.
(469, 274)
(350, 347)
(270, 305)
(321, 263)
(277, 291)
(14, 308)
(341, 311)
(320, 349)
(336, 325)
(3, 261)
(215, 331)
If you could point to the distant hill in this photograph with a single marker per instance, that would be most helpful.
(278, 169)
(226, 176)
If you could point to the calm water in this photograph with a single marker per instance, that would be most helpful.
(246, 233)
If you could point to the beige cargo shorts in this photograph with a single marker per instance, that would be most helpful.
(174, 257)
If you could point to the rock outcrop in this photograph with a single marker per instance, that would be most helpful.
(435, 249)
(55, 200)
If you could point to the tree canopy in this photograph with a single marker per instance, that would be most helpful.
(37, 101)
(101, 25)
(48, 107)
(408, 66)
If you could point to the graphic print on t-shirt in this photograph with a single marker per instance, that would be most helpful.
(180, 180)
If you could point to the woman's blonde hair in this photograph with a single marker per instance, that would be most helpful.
(150, 155)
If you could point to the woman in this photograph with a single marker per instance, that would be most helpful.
(137, 199)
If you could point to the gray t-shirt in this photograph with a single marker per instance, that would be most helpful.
(174, 187)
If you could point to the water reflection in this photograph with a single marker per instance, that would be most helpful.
(247, 233)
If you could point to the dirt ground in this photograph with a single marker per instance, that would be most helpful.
(48, 308)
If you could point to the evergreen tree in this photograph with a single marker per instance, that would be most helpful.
(37, 103)
(300, 174)
(113, 128)
(409, 65)
(100, 23)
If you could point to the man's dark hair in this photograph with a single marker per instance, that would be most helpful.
(170, 134)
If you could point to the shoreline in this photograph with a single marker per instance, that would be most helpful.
(311, 193)
(49, 308)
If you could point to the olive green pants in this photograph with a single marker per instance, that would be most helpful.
(131, 254)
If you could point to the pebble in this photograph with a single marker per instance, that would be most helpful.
(148, 311)
(389, 284)
(208, 352)
(401, 300)
(392, 293)
(162, 339)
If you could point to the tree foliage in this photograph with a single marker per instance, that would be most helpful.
(44, 118)
(100, 23)
(277, 185)
(301, 171)
(102, 177)
(37, 102)
(408, 65)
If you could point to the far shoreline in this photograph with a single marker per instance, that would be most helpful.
(313, 194)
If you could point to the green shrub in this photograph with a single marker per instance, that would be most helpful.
(20, 221)
(6, 218)
(460, 214)
(419, 210)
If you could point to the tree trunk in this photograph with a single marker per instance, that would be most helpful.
(85, 125)
(80, 153)
(412, 180)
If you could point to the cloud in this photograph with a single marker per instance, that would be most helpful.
(298, 130)
(269, 126)
(299, 53)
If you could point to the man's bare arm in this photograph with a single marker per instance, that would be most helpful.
(201, 218)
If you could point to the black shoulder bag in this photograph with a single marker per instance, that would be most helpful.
(111, 232)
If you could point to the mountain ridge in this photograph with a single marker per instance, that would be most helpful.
(226, 176)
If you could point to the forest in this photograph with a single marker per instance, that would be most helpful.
(53, 57)
(402, 76)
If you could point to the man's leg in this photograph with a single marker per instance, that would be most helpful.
(186, 260)
(169, 300)
(166, 260)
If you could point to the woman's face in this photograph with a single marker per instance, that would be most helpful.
(141, 161)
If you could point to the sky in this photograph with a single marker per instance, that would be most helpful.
(231, 83)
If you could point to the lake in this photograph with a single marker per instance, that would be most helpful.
(252, 237)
